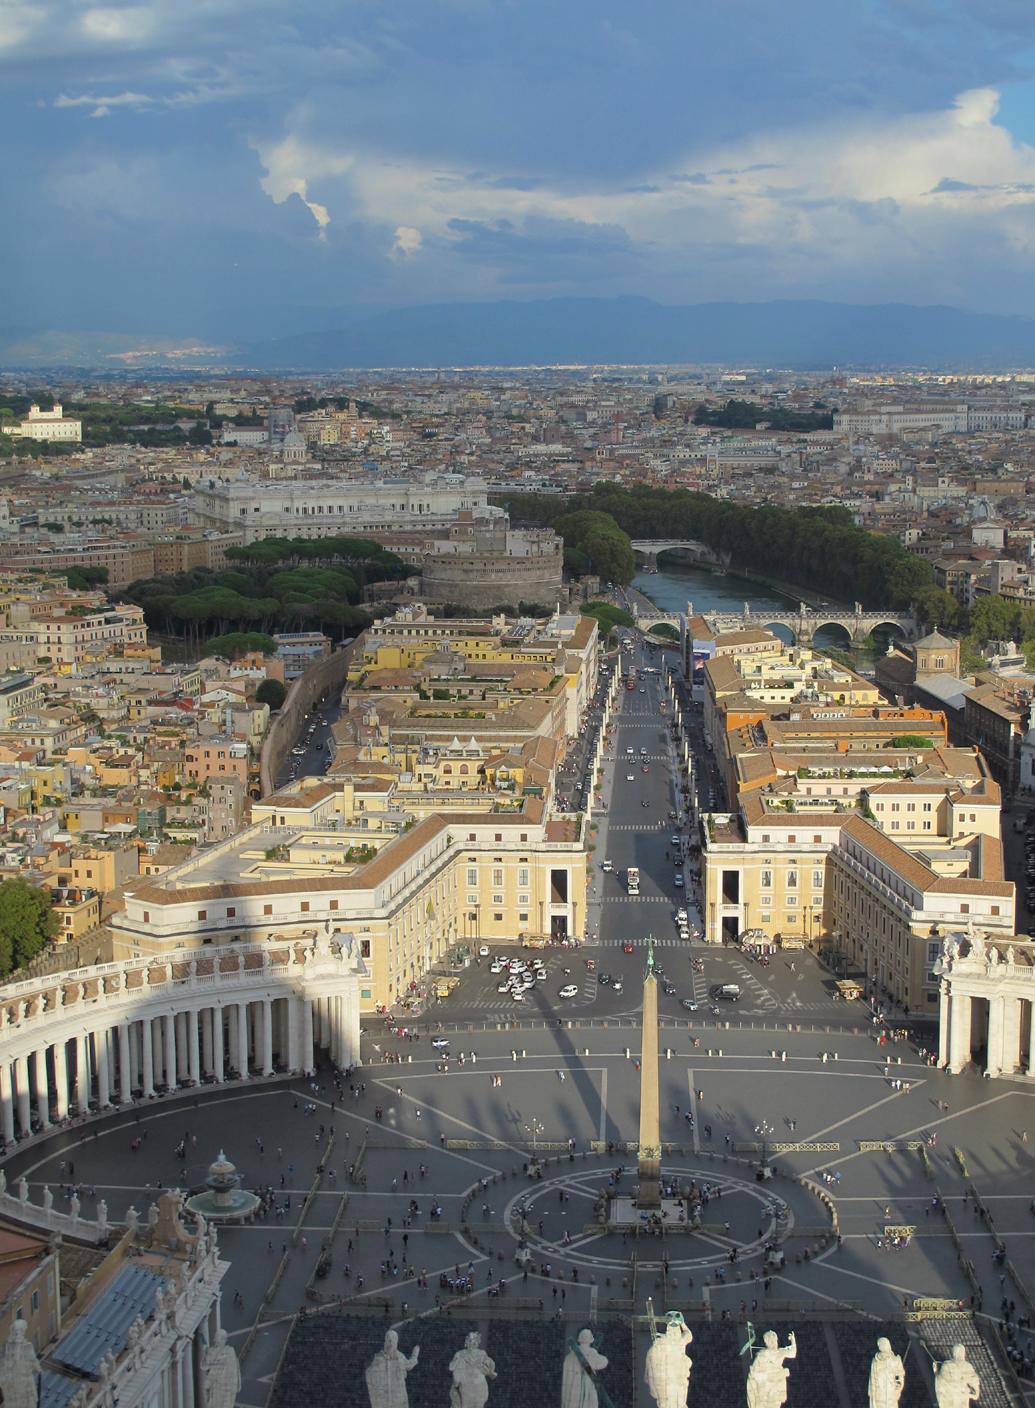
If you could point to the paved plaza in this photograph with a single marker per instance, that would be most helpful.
(788, 1063)
(265, 1130)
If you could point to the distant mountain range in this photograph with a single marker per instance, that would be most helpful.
(636, 331)
(583, 331)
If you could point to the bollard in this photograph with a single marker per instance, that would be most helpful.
(474, 1058)
(627, 1053)
(522, 1051)
(668, 1053)
(900, 1060)
(835, 1055)
(824, 1058)
(569, 1026)
(727, 1026)
(783, 1055)
(720, 1051)
(409, 1060)
(513, 1055)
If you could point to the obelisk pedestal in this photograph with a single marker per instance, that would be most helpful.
(648, 1197)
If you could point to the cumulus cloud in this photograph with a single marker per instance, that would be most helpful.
(407, 241)
(863, 191)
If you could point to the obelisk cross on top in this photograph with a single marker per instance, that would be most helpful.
(648, 1196)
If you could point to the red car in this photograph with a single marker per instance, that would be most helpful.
(646, 768)
(628, 948)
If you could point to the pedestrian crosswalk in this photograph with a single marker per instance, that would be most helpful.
(636, 899)
(642, 943)
(632, 826)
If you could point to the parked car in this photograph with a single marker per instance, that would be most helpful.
(569, 990)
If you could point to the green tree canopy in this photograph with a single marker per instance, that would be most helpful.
(27, 923)
(271, 692)
(598, 537)
(237, 643)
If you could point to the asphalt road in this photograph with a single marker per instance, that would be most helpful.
(793, 985)
(316, 759)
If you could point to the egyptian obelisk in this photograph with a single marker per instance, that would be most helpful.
(649, 1154)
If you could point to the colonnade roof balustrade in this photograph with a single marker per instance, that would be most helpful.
(50, 1009)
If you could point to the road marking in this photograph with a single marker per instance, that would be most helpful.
(603, 1105)
(693, 1111)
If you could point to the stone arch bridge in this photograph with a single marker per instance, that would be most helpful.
(803, 624)
(700, 552)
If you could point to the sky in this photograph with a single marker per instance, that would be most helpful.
(234, 170)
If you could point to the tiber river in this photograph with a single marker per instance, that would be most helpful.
(677, 583)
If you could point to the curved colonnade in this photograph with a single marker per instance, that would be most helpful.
(116, 1032)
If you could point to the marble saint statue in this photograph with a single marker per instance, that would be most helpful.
(767, 1379)
(222, 1373)
(887, 1376)
(668, 1368)
(577, 1388)
(386, 1374)
(471, 1368)
(19, 1369)
(955, 1382)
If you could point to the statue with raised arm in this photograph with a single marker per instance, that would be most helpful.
(578, 1389)
(887, 1376)
(19, 1370)
(955, 1382)
(222, 1373)
(471, 1368)
(668, 1368)
(767, 1379)
(386, 1374)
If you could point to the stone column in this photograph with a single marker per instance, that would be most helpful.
(207, 1018)
(147, 1061)
(181, 1047)
(170, 1050)
(959, 1032)
(232, 1043)
(294, 1033)
(649, 1155)
(125, 1069)
(158, 1048)
(217, 1044)
(82, 1073)
(307, 1035)
(944, 1017)
(267, 1037)
(332, 1025)
(187, 1396)
(994, 1045)
(242, 1040)
(134, 1055)
(60, 1081)
(100, 1046)
(193, 1049)
(1011, 1033)
(109, 1046)
(7, 1102)
(42, 1087)
(21, 1077)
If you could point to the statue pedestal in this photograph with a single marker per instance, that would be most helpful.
(627, 1213)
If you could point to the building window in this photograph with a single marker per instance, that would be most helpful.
(927, 806)
(499, 835)
(497, 899)
(147, 916)
(202, 913)
(472, 878)
(964, 908)
(767, 879)
(522, 918)
(497, 878)
(334, 904)
(472, 899)
(765, 836)
(471, 836)
(522, 879)
(267, 909)
(524, 835)
(231, 912)
(498, 918)
(792, 879)
(305, 906)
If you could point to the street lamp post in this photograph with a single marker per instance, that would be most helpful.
(535, 1129)
(765, 1129)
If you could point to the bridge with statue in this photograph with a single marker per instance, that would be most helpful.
(803, 623)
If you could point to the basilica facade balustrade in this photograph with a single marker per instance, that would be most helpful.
(116, 1032)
